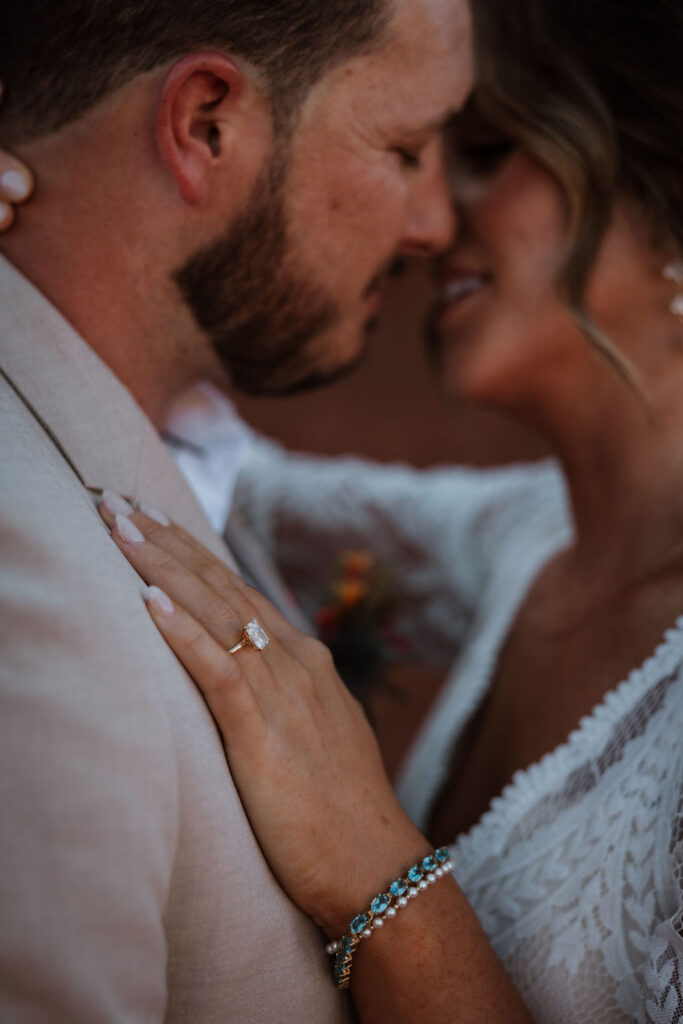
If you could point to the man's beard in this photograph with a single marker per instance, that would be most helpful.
(257, 308)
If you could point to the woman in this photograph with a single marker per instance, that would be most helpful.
(559, 304)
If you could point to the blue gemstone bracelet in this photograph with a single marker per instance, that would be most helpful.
(384, 907)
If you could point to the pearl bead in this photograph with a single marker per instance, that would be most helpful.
(422, 885)
(378, 923)
(367, 933)
(439, 872)
(431, 877)
(331, 948)
(403, 902)
(391, 912)
(412, 893)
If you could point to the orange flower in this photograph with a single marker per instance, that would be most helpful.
(356, 563)
(351, 592)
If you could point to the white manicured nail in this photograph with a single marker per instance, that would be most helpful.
(154, 513)
(14, 185)
(128, 530)
(117, 505)
(160, 601)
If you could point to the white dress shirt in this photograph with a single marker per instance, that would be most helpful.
(210, 444)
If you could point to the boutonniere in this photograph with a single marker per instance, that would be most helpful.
(357, 618)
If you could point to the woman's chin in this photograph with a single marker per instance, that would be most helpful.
(464, 377)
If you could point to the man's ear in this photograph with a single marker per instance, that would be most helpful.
(200, 98)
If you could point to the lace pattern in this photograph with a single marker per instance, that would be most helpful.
(576, 871)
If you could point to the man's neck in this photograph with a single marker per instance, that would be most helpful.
(99, 240)
(133, 321)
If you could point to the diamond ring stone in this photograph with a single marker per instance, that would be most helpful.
(254, 636)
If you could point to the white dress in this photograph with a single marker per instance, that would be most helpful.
(576, 869)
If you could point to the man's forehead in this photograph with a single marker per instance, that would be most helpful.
(442, 26)
(415, 80)
(429, 45)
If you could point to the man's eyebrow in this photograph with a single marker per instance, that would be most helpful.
(443, 121)
(451, 117)
(435, 126)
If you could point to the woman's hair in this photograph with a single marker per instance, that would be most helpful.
(592, 90)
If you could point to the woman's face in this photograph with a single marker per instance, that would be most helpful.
(500, 333)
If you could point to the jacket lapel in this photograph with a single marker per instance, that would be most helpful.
(86, 410)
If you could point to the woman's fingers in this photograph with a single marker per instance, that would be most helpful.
(16, 184)
(188, 552)
(219, 675)
(178, 544)
(16, 181)
(222, 617)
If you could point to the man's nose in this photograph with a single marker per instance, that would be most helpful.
(430, 217)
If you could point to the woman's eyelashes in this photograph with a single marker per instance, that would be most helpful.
(480, 157)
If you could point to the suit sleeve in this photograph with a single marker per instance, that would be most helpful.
(88, 803)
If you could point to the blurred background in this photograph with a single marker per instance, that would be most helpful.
(390, 409)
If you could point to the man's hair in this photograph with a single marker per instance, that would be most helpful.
(58, 58)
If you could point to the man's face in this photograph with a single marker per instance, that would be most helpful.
(287, 292)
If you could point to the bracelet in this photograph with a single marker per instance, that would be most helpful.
(433, 867)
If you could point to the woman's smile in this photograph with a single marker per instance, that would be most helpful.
(459, 290)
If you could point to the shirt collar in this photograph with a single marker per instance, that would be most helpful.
(210, 444)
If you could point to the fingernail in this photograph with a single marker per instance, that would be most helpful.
(160, 601)
(154, 513)
(117, 505)
(128, 530)
(14, 185)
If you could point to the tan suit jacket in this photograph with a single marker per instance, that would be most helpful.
(131, 886)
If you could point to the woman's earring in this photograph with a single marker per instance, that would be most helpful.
(674, 272)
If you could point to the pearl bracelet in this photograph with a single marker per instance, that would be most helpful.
(384, 907)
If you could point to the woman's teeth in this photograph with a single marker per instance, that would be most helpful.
(457, 289)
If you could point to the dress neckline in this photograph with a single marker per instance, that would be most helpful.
(530, 783)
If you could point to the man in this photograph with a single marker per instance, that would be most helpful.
(220, 188)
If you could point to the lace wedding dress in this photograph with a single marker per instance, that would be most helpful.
(576, 869)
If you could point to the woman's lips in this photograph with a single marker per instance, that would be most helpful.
(455, 287)
(459, 292)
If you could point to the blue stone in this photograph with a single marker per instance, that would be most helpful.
(415, 874)
(346, 945)
(359, 924)
(398, 888)
(442, 854)
(379, 904)
(430, 864)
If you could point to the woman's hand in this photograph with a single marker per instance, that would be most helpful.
(16, 185)
(300, 749)
(309, 771)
